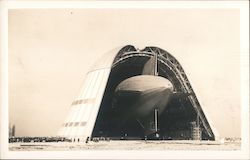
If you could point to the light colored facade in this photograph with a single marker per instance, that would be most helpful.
(80, 122)
(84, 109)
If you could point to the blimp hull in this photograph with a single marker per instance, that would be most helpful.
(148, 96)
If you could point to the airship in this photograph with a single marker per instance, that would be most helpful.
(149, 94)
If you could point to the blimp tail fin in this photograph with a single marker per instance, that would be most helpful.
(151, 66)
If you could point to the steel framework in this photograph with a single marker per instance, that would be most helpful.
(168, 60)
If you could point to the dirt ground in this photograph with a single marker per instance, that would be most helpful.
(127, 145)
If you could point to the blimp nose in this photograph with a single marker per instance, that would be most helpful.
(169, 85)
(144, 83)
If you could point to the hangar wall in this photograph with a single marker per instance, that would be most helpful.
(84, 109)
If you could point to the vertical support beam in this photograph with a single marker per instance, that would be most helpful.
(156, 64)
(198, 120)
(156, 120)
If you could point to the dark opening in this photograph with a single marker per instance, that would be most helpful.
(174, 123)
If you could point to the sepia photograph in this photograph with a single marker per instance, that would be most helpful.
(112, 79)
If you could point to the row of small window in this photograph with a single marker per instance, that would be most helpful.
(74, 124)
(82, 101)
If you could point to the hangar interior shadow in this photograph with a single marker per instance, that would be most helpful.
(174, 122)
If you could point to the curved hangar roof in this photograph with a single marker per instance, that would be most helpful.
(84, 112)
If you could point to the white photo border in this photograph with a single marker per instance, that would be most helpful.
(243, 6)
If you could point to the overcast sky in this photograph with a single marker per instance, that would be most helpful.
(50, 52)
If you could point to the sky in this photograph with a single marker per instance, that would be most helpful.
(50, 51)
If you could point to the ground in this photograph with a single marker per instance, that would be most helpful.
(127, 145)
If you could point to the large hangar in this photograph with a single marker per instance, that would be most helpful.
(136, 94)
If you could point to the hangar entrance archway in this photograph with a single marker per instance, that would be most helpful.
(181, 118)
